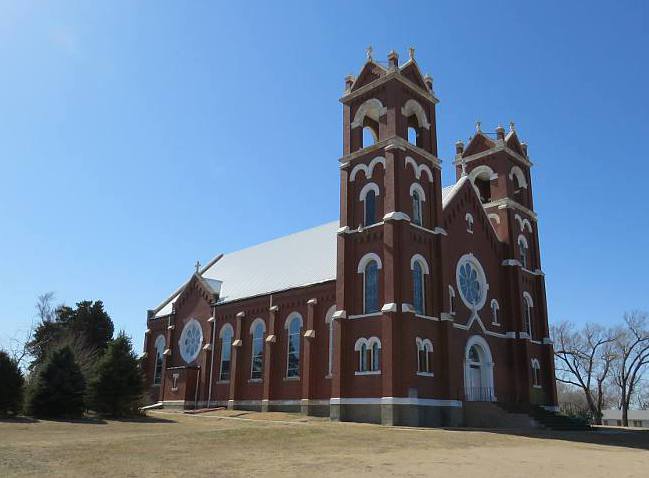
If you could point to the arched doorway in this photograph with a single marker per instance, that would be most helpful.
(478, 371)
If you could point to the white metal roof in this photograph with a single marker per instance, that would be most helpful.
(449, 191)
(299, 259)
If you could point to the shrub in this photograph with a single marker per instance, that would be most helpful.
(59, 387)
(117, 387)
(11, 386)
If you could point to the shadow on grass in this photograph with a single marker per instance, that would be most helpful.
(606, 436)
(18, 419)
(85, 420)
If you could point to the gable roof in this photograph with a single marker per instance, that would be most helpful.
(299, 259)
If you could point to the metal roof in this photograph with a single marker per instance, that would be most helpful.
(299, 259)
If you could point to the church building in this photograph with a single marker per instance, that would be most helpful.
(417, 304)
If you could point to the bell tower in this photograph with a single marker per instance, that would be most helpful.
(390, 216)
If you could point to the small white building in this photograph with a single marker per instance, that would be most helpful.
(637, 418)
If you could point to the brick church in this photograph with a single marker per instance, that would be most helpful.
(417, 303)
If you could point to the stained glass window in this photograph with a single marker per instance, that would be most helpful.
(370, 208)
(293, 367)
(256, 370)
(416, 208)
(226, 354)
(371, 287)
(191, 340)
(418, 288)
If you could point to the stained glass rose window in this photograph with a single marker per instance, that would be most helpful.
(190, 341)
(471, 282)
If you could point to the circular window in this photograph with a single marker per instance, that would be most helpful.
(191, 340)
(471, 282)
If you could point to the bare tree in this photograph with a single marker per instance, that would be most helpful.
(584, 359)
(632, 357)
(21, 343)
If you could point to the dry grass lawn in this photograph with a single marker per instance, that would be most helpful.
(228, 443)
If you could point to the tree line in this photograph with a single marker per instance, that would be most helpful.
(71, 362)
(597, 367)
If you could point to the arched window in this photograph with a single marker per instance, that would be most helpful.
(226, 335)
(416, 208)
(528, 304)
(523, 250)
(294, 327)
(370, 208)
(424, 356)
(536, 373)
(495, 309)
(369, 137)
(469, 223)
(362, 366)
(330, 327)
(368, 195)
(376, 357)
(451, 300)
(257, 362)
(369, 354)
(371, 284)
(412, 135)
(419, 267)
(418, 288)
(159, 357)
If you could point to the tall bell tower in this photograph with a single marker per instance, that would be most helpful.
(390, 217)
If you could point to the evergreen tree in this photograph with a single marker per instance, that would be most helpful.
(87, 326)
(59, 387)
(11, 386)
(117, 387)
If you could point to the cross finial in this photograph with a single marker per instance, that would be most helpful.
(463, 166)
(512, 126)
(411, 53)
(369, 51)
(197, 266)
(477, 127)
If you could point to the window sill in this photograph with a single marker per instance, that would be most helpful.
(496, 324)
(537, 386)
(291, 379)
(222, 382)
(369, 372)
(427, 317)
(328, 377)
(256, 380)
(362, 316)
(425, 374)
(155, 385)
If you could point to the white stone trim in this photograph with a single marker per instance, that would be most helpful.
(254, 324)
(290, 317)
(429, 402)
(520, 176)
(364, 316)
(339, 314)
(367, 169)
(417, 187)
(422, 261)
(480, 171)
(396, 216)
(411, 107)
(391, 307)
(368, 372)
(418, 168)
(372, 107)
(367, 188)
(370, 256)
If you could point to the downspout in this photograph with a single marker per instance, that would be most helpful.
(213, 320)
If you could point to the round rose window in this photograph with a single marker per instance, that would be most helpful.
(191, 340)
(471, 282)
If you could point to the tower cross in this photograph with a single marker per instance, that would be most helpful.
(197, 266)
(369, 53)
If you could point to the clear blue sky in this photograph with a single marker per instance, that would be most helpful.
(138, 137)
